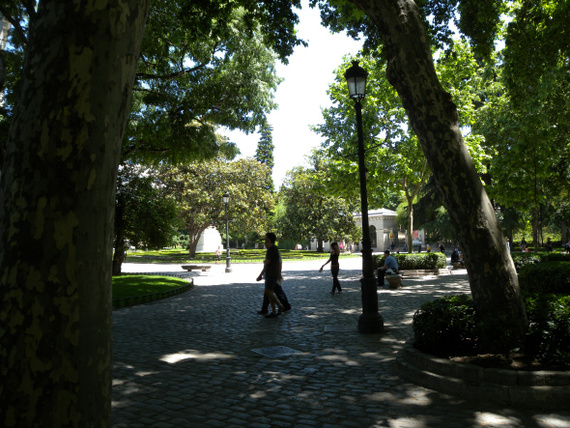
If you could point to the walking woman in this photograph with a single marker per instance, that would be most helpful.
(333, 260)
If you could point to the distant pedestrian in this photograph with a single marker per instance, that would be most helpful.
(272, 273)
(335, 267)
(442, 248)
(567, 247)
(548, 245)
(508, 245)
(218, 253)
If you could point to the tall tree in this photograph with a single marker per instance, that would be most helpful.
(198, 189)
(537, 79)
(401, 26)
(264, 152)
(311, 212)
(144, 214)
(56, 206)
(394, 157)
(204, 64)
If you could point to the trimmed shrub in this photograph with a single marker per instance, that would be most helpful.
(449, 326)
(545, 277)
(446, 326)
(548, 336)
(414, 260)
(524, 259)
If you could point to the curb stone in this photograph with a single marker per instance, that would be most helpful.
(545, 390)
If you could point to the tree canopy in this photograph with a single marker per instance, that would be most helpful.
(310, 211)
(203, 64)
(198, 188)
(394, 159)
(264, 152)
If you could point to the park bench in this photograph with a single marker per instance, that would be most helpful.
(189, 268)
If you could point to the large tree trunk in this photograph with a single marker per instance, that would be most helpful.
(492, 276)
(56, 206)
(193, 238)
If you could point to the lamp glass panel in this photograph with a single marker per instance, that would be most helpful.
(361, 86)
(356, 87)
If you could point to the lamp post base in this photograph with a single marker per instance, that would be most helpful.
(370, 321)
(228, 265)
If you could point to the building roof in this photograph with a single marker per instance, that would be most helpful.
(382, 212)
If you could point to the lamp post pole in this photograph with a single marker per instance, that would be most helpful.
(370, 321)
(226, 199)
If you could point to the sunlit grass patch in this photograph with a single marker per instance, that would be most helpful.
(125, 286)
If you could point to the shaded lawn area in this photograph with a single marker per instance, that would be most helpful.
(141, 285)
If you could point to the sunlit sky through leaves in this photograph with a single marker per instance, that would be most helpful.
(301, 95)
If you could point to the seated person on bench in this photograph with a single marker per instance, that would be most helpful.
(456, 258)
(390, 267)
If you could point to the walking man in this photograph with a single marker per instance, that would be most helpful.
(272, 273)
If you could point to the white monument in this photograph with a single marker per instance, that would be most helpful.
(209, 241)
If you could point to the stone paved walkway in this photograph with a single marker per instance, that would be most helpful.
(189, 361)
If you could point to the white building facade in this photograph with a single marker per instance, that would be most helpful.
(383, 228)
(383, 231)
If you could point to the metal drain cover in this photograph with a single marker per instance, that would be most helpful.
(276, 351)
(339, 329)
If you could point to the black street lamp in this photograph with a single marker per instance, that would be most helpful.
(226, 199)
(370, 321)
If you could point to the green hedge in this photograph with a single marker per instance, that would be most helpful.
(414, 260)
(548, 334)
(446, 326)
(546, 277)
(524, 259)
(449, 326)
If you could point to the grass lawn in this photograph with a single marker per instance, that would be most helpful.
(141, 285)
(179, 255)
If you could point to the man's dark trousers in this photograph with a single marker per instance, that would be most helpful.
(278, 290)
(381, 273)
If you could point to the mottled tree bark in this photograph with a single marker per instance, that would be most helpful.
(492, 276)
(56, 211)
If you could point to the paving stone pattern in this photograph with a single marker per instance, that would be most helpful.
(192, 361)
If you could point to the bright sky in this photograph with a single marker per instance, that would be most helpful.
(301, 95)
